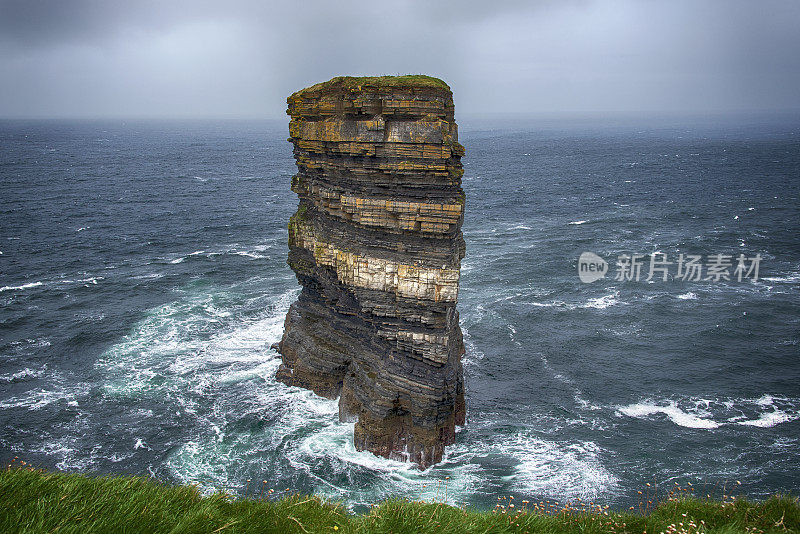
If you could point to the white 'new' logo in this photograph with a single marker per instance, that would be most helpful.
(591, 267)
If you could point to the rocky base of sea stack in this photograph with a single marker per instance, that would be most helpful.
(376, 244)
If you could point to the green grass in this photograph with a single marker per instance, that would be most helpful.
(40, 501)
(346, 83)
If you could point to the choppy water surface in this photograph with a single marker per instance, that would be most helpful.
(143, 280)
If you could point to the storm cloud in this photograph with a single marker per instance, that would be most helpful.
(87, 58)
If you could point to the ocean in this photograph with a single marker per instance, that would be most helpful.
(143, 279)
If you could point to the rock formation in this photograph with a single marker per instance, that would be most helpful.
(376, 244)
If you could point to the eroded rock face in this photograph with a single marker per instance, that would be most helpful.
(376, 244)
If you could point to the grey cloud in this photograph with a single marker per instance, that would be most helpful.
(241, 58)
(36, 23)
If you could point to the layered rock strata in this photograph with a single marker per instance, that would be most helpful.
(376, 244)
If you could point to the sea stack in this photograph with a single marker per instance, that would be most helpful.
(376, 244)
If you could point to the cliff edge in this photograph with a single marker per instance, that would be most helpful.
(376, 244)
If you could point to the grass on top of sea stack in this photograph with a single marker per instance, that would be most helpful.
(346, 83)
(39, 501)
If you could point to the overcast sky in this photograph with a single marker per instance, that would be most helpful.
(165, 58)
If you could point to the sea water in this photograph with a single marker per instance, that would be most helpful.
(143, 279)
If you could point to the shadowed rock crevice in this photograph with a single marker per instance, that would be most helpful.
(376, 244)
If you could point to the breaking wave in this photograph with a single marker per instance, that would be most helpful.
(763, 412)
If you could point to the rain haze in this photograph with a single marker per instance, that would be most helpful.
(577, 288)
(241, 59)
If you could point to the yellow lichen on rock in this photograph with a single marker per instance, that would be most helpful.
(408, 281)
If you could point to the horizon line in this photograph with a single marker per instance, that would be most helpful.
(470, 115)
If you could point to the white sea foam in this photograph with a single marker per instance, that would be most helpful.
(91, 280)
(67, 449)
(770, 419)
(473, 354)
(23, 375)
(37, 399)
(250, 255)
(168, 355)
(601, 303)
(148, 276)
(23, 286)
(28, 342)
(693, 412)
(181, 259)
(220, 371)
(332, 446)
(765, 400)
(578, 222)
(598, 303)
(175, 343)
(210, 254)
(793, 278)
(566, 470)
(776, 410)
(212, 366)
(642, 410)
(687, 296)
